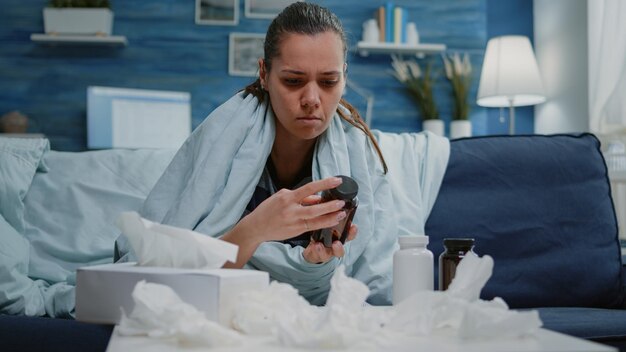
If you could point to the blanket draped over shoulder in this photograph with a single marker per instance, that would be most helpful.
(213, 176)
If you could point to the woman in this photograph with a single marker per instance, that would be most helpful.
(304, 86)
(251, 172)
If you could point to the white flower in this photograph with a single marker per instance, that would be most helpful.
(447, 66)
(457, 66)
(400, 70)
(467, 65)
(416, 72)
(419, 82)
(459, 73)
(405, 70)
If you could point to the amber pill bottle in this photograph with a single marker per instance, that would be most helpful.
(455, 250)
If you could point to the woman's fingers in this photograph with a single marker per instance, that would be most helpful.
(352, 232)
(317, 214)
(311, 254)
(288, 213)
(311, 200)
(325, 220)
(337, 249)
(316, 187)
(316, 252)
(321, 209)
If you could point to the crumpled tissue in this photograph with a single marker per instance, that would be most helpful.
(160, 313)
(348, 322)
(342, 323)
(167, 246)
(460, 309)
(345, 322)
(265, 311)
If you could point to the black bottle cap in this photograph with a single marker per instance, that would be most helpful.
(462, 243)
(347, 190)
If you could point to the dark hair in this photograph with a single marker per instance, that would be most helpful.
(310, 19)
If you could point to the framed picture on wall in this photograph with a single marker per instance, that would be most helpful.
(265, 8)
(217, 12)
(244, 51)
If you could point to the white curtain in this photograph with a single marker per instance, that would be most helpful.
(607, 91)
(607, 66)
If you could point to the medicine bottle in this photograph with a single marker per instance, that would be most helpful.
(455, 250)
(412, 267)
(346, 191)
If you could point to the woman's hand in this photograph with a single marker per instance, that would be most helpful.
(316, 252)
(288, 213)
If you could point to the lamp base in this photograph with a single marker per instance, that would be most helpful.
(511, 117)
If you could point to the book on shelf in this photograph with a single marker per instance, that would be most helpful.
(389, 27)
(392, 21)
(380, 17)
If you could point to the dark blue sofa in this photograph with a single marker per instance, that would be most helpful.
(30, 334)
(541, 207)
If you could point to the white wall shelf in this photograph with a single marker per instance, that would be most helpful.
(113, 40)
(420, 50)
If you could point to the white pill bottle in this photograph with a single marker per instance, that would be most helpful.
(413, 269)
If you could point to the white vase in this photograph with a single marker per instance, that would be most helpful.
(370, 31)
(434, 126)
(460, 129)
(78, 21)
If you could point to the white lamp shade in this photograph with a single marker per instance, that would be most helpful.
(510, 74)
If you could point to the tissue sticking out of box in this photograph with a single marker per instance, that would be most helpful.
(167, 246)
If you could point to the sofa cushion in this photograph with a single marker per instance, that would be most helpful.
(56, 221)
(541, 207)
(26, 334)
(20, 158)
(70, 213)
(589, 323)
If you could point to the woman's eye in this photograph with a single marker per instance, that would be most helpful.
(330, 83)
(292, 81)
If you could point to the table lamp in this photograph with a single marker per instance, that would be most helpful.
(510, 76)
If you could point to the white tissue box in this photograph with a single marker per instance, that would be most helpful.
(102, 289)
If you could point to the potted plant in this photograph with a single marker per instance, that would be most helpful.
(78, 17)
(420, 84)
(459, 74)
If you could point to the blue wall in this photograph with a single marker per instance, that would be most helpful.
(168, 51)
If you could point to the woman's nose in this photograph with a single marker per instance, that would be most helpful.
(310, 96)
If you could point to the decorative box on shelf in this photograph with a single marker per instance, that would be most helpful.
(82, 21)
(367, 48)
(78, 26)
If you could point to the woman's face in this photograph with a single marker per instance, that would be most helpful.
(305, 83)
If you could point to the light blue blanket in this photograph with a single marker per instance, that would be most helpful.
(57, 213)
(212, 178)
(20, 160)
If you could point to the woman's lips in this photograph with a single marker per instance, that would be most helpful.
(309, 120)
